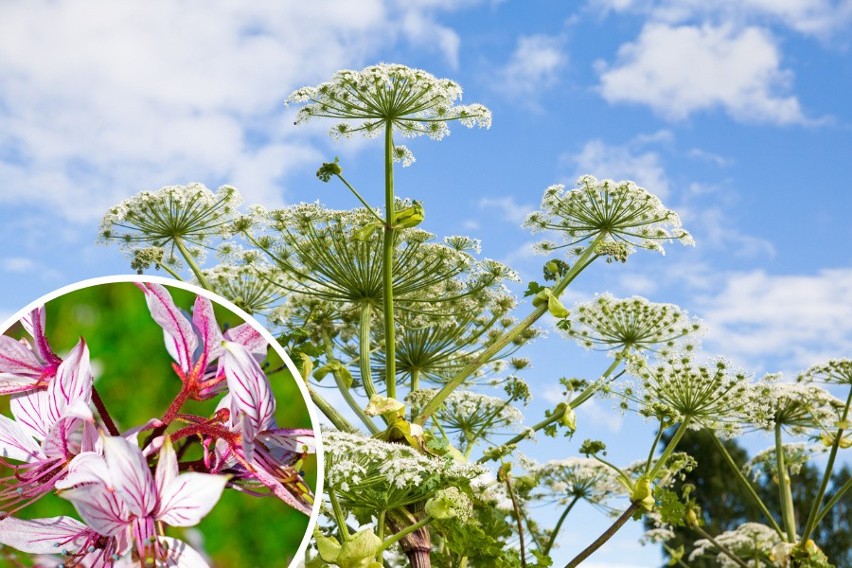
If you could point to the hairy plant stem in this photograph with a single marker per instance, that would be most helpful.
(339, 517)
(785, 493)
(813, 517)
(387, 276)
(412, 535)
(518, 518)
(745, 483)
(670, 448)
(607, 534)
(722, 548)
(581, 263)
(546, 550)
(104, 413)
(364, 348)
(834, 499)
(192, 264)
(345, 390)
(331, 413)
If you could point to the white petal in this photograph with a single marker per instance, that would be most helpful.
(249, 387)
(180, 338)
(16, 442)
(189, 497)
(130, 474)
(205, 322)
(43, 536)
(181, 555)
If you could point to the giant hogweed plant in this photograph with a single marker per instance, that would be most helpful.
(411, 331)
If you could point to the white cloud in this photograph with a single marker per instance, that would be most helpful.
(786, 322)
(17, 264)
(103, 99)
(821, 18)
(622, 162)
(507, 207)
(533, 67)
(679, 70)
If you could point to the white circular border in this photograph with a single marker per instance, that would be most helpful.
(299, 557)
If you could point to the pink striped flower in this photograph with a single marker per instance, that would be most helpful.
(195, 344)
(120, 500)
(26, 366)
(51, 426)
(255, 449)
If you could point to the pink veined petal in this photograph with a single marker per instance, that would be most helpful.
(284, 444)
(17, 359)
(102, 509)
(31, 411)
(40, 536)
(247, 336)
(33, 322)
(130, 475)
(248, 386)
(13, 384)
(72, 383)
(167, 467)
(180, 338)
(189, 497)
(85, 469)
(205, 322)
(181, 555)
(17, 443)
(280, 491)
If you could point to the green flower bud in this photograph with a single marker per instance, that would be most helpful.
(382, 405)
(328, 547)
(643, 493)
(569, 418)
(367, 231)
(329, 169)
(410, 216)
(360, 550)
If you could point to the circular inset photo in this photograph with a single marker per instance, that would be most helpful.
(146, 422)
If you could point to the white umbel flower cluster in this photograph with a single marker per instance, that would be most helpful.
(365, 472)
(630, 323)
(172, 217)
(748, 541)
(411, 101)
(468, 411)
(620, 212)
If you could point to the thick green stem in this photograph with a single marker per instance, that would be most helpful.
(546, 550)
(745, 483)
(331, 413)
(171, 272)
(601, 540)
(405, 532)
(339, 517)
(582, 262)
(388, 245)
(834, 499)
(415, 379)
(812, 521)
(192, 265)
(364, 348)
(518, 518)
(593, 388)
(670, 448)
(785, 493)
(346, 391)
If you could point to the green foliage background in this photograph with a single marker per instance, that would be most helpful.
(134, 377)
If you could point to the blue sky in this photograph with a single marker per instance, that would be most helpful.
(737, 116)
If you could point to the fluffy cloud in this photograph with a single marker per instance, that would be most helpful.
(786, 322)
(630, 161)
(102, 99)
(821, 18)
(533, 67)
(678, 70)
